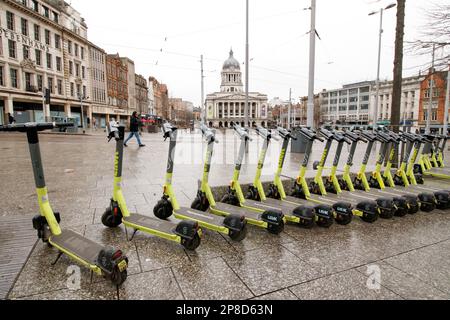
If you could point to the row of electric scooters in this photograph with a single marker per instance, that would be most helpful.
(323, 201)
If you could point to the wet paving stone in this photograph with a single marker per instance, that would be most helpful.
(312, 264)
(195, 280)
(405, 285)
(271, 269)
(429, 264)
(348, 285)
(153, 285)
(283, 295)
(95, 291)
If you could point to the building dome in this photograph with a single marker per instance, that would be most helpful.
(231, 63)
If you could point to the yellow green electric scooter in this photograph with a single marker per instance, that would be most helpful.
(186, 233)
(431, 159)
(235, 226)
(301, 215)
(324, 214)
(349, 204)
(271, 220)
(428, 198)
(103, 261)
(342, 209)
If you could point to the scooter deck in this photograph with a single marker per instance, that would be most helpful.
(145, 222)
(331, 199)
(205, 220)
(78, 245)
(227, 209)
(300, 202)
(271, 204)
(438, 172)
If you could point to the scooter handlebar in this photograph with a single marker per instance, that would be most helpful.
(208, 133)
(168, 129)
(33, 125)
(243, 133)
(266, 134)
(286, 134)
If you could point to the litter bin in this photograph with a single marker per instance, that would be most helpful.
(299, 145)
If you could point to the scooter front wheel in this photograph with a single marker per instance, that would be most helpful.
(109, 220)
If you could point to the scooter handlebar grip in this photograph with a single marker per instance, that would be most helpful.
(28, 126)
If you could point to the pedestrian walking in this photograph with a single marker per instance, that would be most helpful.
(11, 119)
(94, 122)
(134, 130)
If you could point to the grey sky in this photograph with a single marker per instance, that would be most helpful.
(278, 42)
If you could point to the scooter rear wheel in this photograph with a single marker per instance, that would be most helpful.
(238, 235)
(192, 245)
(117, 277)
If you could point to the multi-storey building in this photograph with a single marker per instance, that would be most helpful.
(32, 58)
(142, 101)
(439, 95)
(151, 98)
(132, 101)
(228, 106)
(409, 107)
(181, 112)
(98, 93)
(348, 105)
(117, 85)
(355, 103)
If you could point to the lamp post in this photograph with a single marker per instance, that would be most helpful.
(312, 62)
(82, 98)
(377, 96)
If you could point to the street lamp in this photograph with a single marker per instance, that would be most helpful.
(82, 98)
(392, 5)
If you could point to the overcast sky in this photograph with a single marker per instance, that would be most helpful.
(166, 38)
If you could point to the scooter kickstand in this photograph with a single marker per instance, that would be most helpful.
(57, 258)
(134, 233)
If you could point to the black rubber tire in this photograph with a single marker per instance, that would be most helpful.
(370, 218)
(238, 235)
(276, 229)
(325, 223)
(197, 205)
(117, 277)
(108, 219)
(344, 220)
(162, 210)
(426, 207)
(231, 200)
(192, 245)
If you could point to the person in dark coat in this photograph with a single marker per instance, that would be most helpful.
(134, 130)
(11, 119)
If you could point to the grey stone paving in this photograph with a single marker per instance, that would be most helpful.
(412, 253)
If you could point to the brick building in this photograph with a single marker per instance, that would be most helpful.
(438, 106)
(117, 83)
(142, 101)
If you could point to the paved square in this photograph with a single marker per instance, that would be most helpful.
(412, 253)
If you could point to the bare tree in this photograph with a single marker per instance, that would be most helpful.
(435, 31)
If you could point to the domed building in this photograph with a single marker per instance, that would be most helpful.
(227, 107)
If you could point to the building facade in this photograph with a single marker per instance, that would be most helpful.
(228, 106)
(349, 105)
(117, 84)
(34, 56)
(131, 74)
(409, 107)
(142, 102)
(99, 92)
(438, 101)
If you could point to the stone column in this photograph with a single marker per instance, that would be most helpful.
(9, 106)
(67, 110)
